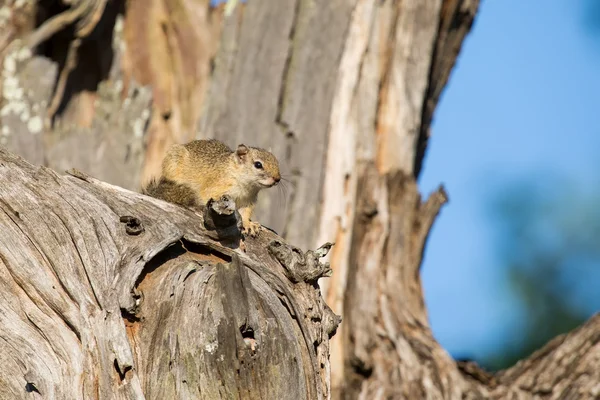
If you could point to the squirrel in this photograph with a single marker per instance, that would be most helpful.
(195, 172)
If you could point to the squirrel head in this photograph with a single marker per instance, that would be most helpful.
(258, 166)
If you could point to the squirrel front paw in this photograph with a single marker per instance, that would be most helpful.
(252, 228)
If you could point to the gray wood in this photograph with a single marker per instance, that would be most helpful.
(113, 144)
(27, 83)
(107, 293)
(272, 87)
(111, 294)
(102, 133)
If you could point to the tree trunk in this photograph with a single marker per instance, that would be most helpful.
(124, 296)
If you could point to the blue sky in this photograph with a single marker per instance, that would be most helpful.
(522, 101)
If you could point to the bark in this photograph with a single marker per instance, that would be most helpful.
(343, 92)
(104, 85)
(111, 294)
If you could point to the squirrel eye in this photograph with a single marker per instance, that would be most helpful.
(258, 165)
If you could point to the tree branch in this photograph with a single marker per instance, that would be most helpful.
(108, 293)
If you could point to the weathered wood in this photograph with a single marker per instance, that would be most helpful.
(279, 96)
(170, 45)
(111, 294)
(566, 368)
(104, 86)
(396, 59)
(386, 335)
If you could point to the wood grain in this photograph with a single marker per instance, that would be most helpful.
(108, 293)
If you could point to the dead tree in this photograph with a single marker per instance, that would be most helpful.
(343, 91)
(111, 294)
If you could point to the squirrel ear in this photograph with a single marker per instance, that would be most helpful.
(241, 151)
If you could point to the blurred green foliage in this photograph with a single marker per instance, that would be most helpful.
(548, 245)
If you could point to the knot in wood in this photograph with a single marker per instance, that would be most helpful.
(298, 266)
(133, 225)
(331, 320)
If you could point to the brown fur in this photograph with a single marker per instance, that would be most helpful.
(166, 189)
(210, 169)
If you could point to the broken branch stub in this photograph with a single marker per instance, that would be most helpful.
(222, 219)
(301, 267)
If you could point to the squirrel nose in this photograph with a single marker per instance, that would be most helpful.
(277, 179)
